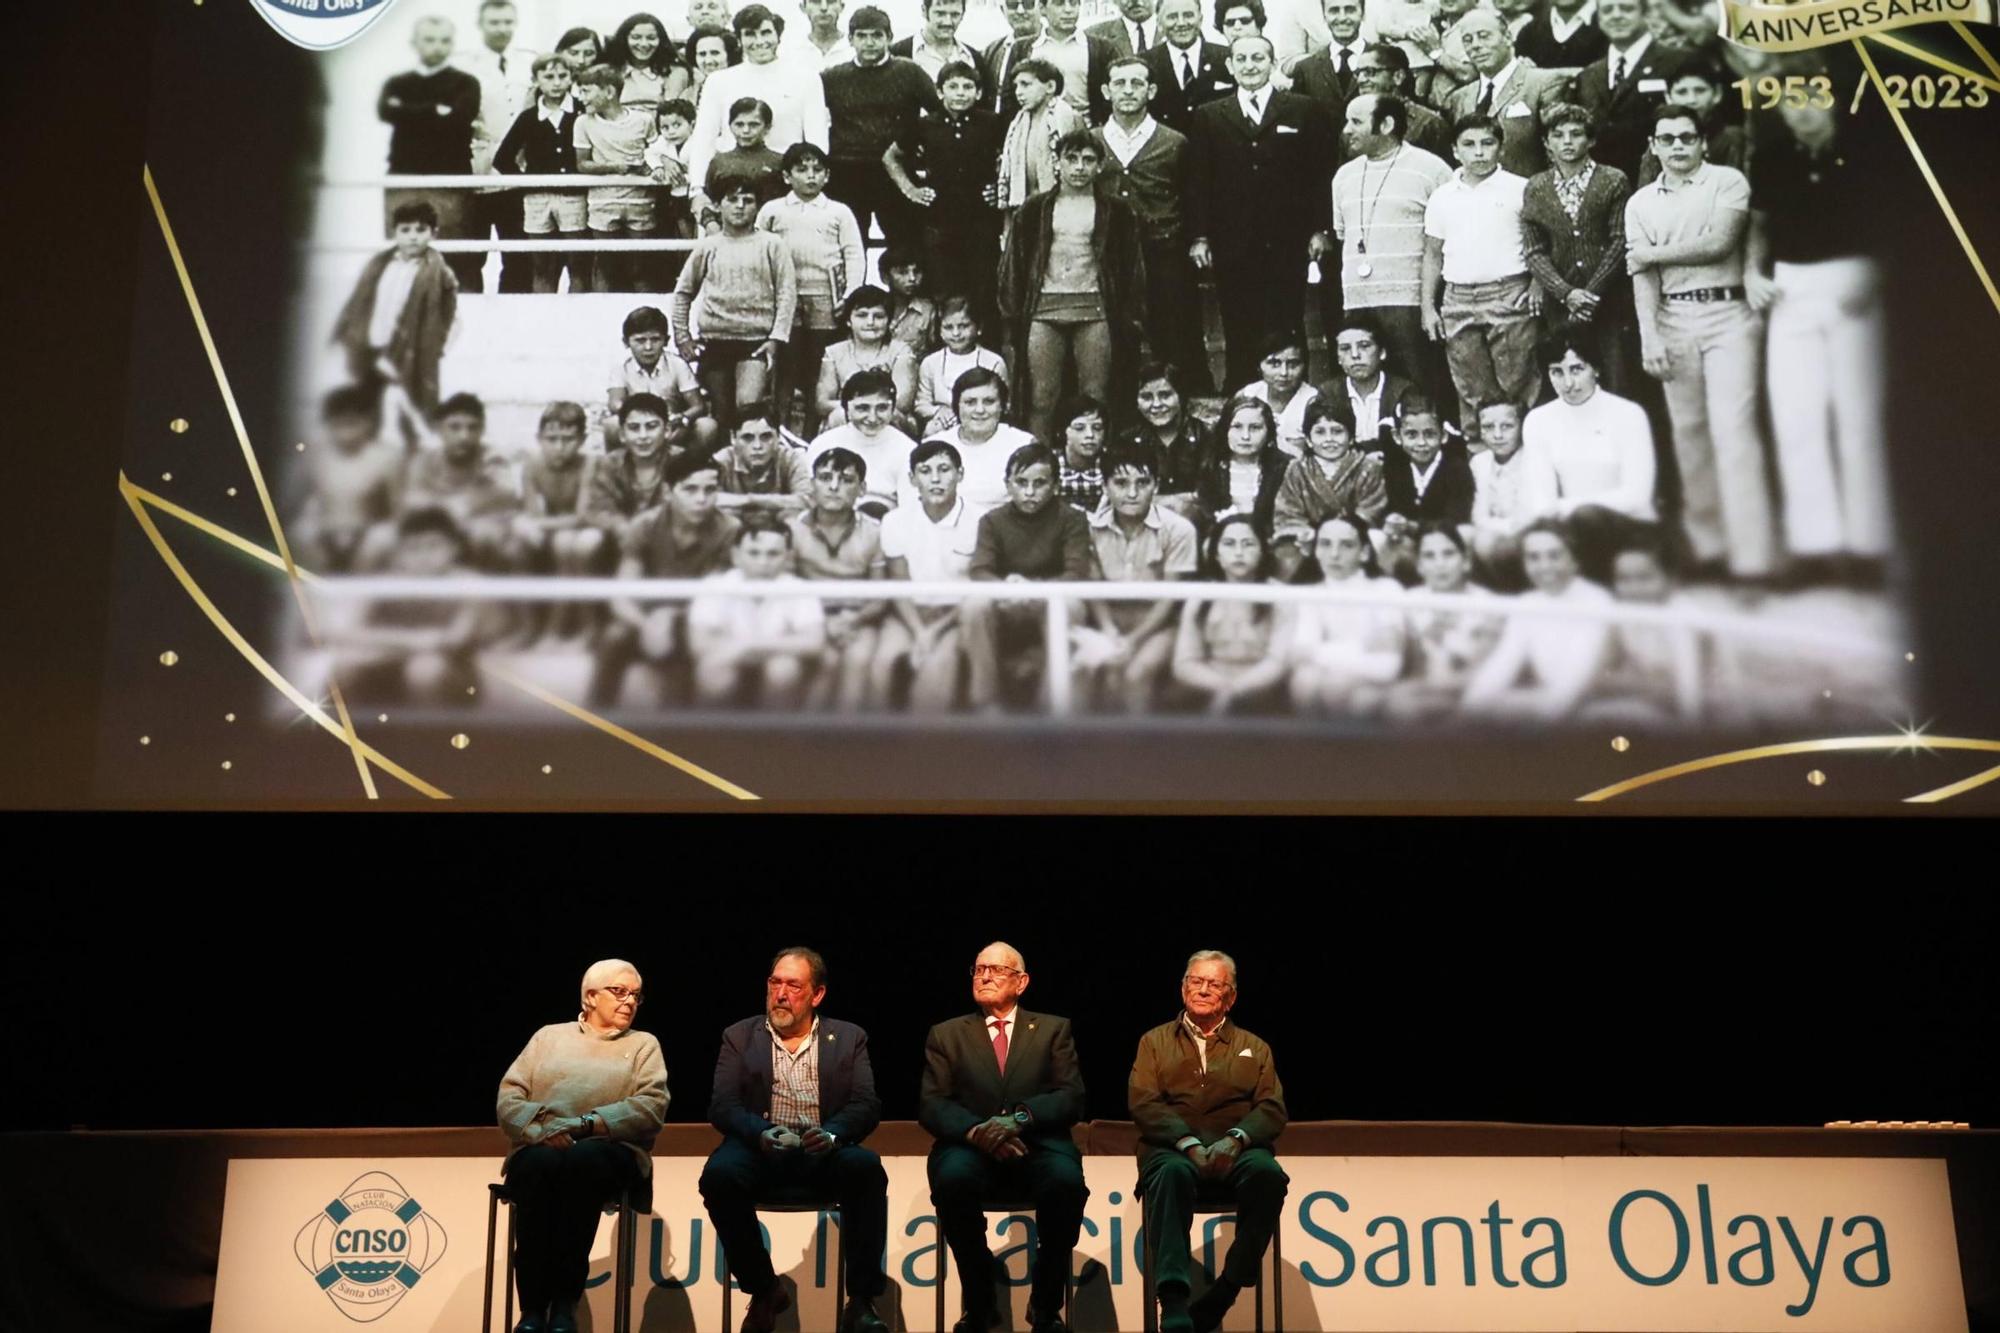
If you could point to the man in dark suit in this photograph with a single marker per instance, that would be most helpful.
(1562, 37)
(1259, 203)
(1329, 77)
(794, 1097)
(1508, 88)
(1024, 23)
(1623, 88)
(1133, 33)
(1187, 71)
(1206, 1099)
(1001, 1089)
(1070, 50)
(1384, 70)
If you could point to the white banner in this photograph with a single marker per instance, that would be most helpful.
(1427, 1245)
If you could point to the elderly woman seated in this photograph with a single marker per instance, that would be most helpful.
(582, 1104)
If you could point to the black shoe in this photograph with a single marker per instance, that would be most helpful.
(562, 1317)
(860, 1317)
(1208, 1310)
(762, 1316)
(537, 1322)
(974, 1321)
(1046, 1323)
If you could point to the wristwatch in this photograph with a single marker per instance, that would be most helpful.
(588, 1129)
(1022, 1118)
(1239, 1136)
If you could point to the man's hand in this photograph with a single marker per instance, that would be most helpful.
(1582, 302)
(1433, 323)
(1653, 357)
(689, 349)
(923, 196)
(777, 1141)
(1759, 291)
(1200, 255)
(817, 1141)
(1199, 1156)
(1222, 1156)
(998, 1137)
(1318, 246)
(767, 352)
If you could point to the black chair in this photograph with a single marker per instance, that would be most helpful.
(795, 1201)
(990, 1205)
(632, 1201)
(1209, 1207)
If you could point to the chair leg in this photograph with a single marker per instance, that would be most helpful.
(486, 1294)
(943, 1263)
(728, 1288)
(1149, 1314)
(839, 1265)
(509, 1317)
(1278, 1276)
(621, 1268)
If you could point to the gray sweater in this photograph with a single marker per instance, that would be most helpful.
(568, 1068)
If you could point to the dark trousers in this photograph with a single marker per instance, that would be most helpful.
(558, 1195)
(500, 211)
(1173, 312)
(868, 192)
(1262, 292)
(738, 1174)
(1412, 355)
(962, 258)
(963, 1178)
(1169, 1185)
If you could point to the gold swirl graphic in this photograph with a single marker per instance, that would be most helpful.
(1909, 740)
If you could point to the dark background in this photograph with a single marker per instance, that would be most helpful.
(384, 1000)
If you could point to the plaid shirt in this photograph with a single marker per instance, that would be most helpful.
(1569, 191)
(1082, 487)
(795, 1081)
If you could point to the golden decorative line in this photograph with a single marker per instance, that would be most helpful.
(257, 478)
(633, 739)
(1945, 793)
(1813, 747)
(256, 552)
(1930, 178)
(1919, 53)
(1977, 46)
(139, 498)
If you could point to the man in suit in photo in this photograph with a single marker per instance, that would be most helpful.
(1624, 87)
(1258, 204)
(1205, 1097)
(1384, 70)
(1329, 77)
(1508, 88)
(1024, 24)
(1134, 32)
(1566, 36)
(1082, 59)
(1188, 71)
(1001, 1090)
(794, 1096)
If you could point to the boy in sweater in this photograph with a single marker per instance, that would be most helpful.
(742, 285)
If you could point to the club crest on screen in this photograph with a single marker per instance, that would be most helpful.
(369, 1246)
(321, 25)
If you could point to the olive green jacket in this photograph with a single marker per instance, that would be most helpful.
(1173, 1098)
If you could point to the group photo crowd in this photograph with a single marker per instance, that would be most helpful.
(1523, 332)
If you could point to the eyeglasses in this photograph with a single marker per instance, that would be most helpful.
(1203, 986)
(623, 993)
(1688, 139)
(993, 970)
(783, 984)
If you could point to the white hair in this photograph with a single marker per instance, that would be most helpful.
(1020, 963)
(598, 975)
(1214, 956)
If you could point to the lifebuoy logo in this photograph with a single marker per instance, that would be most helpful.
(367, 1248)
(321, 25)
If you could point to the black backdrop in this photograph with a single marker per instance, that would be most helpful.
(360, 997)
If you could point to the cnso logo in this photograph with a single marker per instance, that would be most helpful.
(321, 25)
(367, 1248)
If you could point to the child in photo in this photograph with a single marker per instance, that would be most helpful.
(542, 142)
(756, 649)
(631, 479)
(611, 140)
(832, 540)
(580, 48)
(1028, 150)
(741, 287)
(1512, 486)
(1446, 647)
(644, 57)
(1282, 368)
(759, 472)
(868, 346)
(457, 472)
(868, 401)
(1032, 537)
(649, 366)
(550, 528)
(1345, 655)
(357, 481)
(1426, 478)
(395, 324)
(825, 244)
(749, 160)
(1246, 466)
(936, 373)
(1333, 477)
(420, 651)
(1136, 541)
(1079, 461)
(1232, 655)
(913, 316)
(667, 161)
(929, 540)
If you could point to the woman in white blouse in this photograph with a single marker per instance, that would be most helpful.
(1345, 655)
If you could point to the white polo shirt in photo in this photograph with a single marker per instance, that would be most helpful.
(1480, 226)
(935, 552)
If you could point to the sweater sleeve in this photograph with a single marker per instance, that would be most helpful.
(785, 278)
(520, 1115)
(638, 1116)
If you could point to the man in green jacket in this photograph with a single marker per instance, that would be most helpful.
(1206, 1097)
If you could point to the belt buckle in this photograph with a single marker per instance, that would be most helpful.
(1705, 295)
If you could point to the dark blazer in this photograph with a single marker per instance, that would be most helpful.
(1153, 185)
(1100, 55)
(1449, 497)
(1521, 150)
(1118, 33)
(1319, 77)
(740, 1103)
(963, 1084)
(1538, 42)
(1625, 115)
(1260, 189)
(1587, 253)
(1174, 105)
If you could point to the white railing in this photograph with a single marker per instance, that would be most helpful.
(1058, 596)
(500, 181)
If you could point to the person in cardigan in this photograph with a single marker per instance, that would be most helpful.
(1072, 285)
(1573, 237)
(1001, 1090)
(581, 1106)
(1245, 466)
(794, 1097)
(542, 142)
(1145, 165)
(395, 323)
(1334, 477)
(1202, 1136)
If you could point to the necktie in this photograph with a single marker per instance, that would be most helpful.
(999, 1044)
(1187, 69)
(1485, 97)
(1343, 62)
(1138, 38)
(1618, 71)
(1256, 108)
(503, 64)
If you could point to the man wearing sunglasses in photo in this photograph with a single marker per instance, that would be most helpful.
(794, 1097)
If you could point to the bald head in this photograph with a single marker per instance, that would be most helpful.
(999, 975)
(432, 38)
